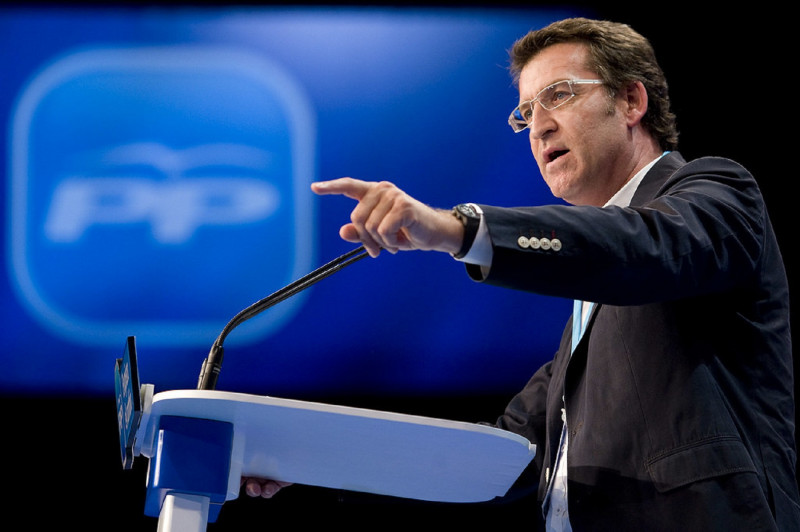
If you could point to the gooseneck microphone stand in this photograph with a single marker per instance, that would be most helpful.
(213, 363)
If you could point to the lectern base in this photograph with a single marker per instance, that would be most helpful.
(183, 513)
(191, 469)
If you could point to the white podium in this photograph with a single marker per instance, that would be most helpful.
(201, 442)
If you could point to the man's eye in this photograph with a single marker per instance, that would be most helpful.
(560, 96)
(557, 97)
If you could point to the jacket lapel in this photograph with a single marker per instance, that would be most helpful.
(654, 180)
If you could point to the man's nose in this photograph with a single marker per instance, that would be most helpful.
(542, 122)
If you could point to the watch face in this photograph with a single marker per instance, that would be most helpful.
(467, 210)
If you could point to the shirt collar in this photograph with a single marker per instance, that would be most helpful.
(623, 196)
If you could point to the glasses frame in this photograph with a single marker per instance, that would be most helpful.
(517, 123)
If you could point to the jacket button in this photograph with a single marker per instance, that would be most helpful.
(545, 243)
(523, 242)
(535, 243)
(555, 244)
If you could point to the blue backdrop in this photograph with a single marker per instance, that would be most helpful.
(157, 172)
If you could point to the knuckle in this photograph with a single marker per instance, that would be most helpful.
(373, 226)
(387, 189)
(357, 217)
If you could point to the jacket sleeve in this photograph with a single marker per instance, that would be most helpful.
(525, 415)
(700, 232)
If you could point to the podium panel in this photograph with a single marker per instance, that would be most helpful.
(350, 448)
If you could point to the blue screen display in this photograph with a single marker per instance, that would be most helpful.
(156, 177)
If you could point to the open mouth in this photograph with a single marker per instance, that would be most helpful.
(555, 155)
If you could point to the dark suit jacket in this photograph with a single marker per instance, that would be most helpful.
(679, 397)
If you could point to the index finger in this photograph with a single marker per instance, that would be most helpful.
(347, 186)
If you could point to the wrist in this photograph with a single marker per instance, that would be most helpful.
(470, 219)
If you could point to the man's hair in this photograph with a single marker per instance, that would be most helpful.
(618, 55)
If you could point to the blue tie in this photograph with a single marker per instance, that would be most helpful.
(577, 323)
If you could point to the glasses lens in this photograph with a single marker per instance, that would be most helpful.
(555, 95)
(520, 117)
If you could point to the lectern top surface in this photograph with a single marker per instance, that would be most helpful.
(354, 449)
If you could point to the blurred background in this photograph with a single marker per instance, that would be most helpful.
(156, 175)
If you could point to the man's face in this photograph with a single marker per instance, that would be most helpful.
(583, 148)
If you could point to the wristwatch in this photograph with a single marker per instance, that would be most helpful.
(468, 216)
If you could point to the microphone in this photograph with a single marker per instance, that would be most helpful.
(212, 365)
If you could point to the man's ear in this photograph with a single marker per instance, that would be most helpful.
(635, 97)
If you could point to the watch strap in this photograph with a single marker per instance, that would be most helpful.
(471, 220)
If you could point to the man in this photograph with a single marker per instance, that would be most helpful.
(669, 404)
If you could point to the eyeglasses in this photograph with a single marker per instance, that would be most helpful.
(551, 97)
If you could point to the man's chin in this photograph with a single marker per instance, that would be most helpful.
(559, 189)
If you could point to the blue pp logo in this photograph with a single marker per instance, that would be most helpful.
(158, 191)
